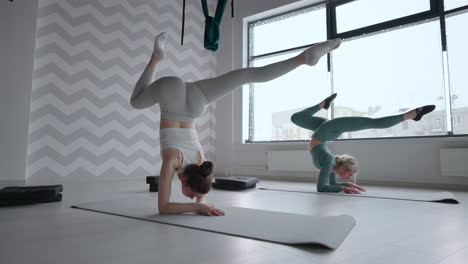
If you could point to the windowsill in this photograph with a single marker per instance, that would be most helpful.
(296, 142)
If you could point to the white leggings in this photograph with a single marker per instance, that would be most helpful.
(186, 101)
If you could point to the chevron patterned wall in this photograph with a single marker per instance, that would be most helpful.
(88, 56)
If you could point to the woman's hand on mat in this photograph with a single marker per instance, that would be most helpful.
(347, 189)
(209, 210)
(355, 186)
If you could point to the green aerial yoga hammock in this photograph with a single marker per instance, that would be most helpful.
(212, 25)
(211, 38)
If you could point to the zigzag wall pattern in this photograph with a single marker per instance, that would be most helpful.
(88, 56)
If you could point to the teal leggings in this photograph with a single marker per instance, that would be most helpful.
(326, 130)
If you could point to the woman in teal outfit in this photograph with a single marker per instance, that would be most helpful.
(325, 130)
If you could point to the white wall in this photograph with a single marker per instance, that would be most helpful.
(89, 55)
(386, 161)
(18, 29)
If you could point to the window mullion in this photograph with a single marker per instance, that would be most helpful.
(438, 6)
(391, 24)
(447, 94)
(443, 32)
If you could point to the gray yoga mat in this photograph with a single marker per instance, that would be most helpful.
(437, 197)
(278, 227)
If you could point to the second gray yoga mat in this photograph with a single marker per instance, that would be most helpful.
(438, 197)
(278, 227)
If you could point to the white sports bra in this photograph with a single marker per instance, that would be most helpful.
(183, 139)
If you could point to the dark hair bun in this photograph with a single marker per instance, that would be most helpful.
(206, 168)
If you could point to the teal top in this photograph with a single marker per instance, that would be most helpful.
(324, 160)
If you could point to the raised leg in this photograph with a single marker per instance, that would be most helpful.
(141, 96)
(334, 128)
(218, 87)
(306, 118)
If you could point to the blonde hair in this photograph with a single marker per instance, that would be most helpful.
(347, 162)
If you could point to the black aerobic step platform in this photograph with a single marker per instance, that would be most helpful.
(21, 195)
(235, 183)
(153, 182)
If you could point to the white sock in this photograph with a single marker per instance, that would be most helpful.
(159, 43)
(314, 53)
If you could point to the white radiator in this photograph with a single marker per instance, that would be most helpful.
(454, 162)
(290, 160)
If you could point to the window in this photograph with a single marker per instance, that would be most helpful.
(289, 31)
(392, 60)
(267, 106)
(304, 86)
(393, 72)
(356, 14)
(457, 43)
(451, 4)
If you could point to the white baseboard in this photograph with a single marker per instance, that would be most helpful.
(12, 182)
(61, 180)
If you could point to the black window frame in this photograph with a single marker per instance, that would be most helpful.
(436, 11)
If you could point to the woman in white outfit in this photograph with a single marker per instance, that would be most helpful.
(181, 103)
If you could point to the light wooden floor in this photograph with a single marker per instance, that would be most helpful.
(387, 231)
